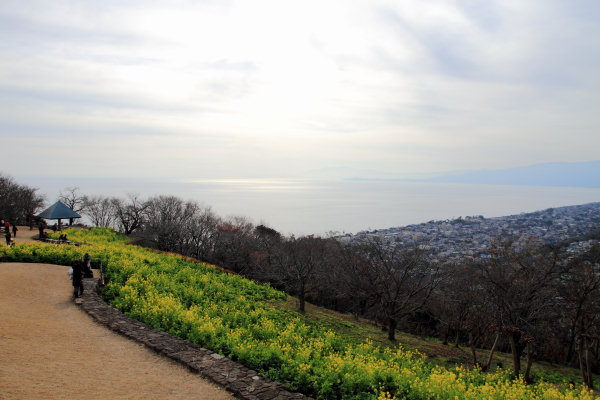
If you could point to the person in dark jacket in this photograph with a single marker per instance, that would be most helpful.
(41, 227)
(87, 266)
(77, 278)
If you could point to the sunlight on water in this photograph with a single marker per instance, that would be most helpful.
(258, 185)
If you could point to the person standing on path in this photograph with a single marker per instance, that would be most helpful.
(8, 238)
(77, 279)
(14, 230)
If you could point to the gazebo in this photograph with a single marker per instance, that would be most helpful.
(58, 211)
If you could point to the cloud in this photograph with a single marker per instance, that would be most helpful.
(264, 86)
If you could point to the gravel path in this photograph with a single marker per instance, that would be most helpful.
(51, 349)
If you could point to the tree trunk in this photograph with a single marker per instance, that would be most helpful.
(528, 378)
(474, 355)
(392, 323)
(588, 363)
(512, 338)
(572, 333)
(302, 302)
(472, 345)
(582, 366)
(491, 355)
(301, 298)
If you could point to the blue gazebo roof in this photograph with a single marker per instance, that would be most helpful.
(58, 211)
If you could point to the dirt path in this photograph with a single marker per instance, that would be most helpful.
(51, 349)
(24, 235)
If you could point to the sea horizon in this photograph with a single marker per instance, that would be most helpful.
(322, 207)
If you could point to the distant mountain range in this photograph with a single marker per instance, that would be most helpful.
(578, 174)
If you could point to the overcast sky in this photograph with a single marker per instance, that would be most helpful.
(254, 89)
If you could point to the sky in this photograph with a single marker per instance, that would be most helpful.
(291, 89)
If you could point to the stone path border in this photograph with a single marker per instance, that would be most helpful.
(237, 379)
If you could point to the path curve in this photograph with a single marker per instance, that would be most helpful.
(51, 349)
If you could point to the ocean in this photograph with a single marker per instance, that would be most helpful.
(302, 207)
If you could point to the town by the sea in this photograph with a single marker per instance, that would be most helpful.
(303, 206)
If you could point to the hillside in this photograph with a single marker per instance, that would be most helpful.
(321, 353)
(579, 174)
(470, 237)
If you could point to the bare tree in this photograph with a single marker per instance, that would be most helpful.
(166, 217)
(463, 309)
(70, 197)
(100, 210)
(580, 291)
(202, 230)
(298, 265)
(129, 213)
(453, 301)
(18, 203)
(347, 279)
(235, 244)
(399, 281)
(521, 289)
(267, 242)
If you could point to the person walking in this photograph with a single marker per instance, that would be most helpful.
(14, 230)
(77, 279)
(8, 238)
